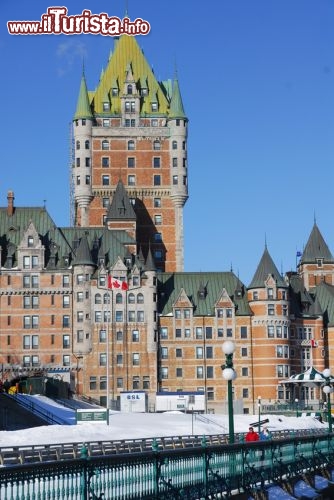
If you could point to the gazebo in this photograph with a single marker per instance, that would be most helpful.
(310, 379)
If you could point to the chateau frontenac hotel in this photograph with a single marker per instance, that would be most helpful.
(158, 328)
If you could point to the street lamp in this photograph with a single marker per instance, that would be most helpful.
(259, 408)
(296, 403)
(327, 390)
(229, 374)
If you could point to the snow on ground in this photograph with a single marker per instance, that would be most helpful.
(141, 425)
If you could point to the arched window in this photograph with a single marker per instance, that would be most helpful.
(131, 298)
(119, 298)
(106, 298)
(129, 89)
(140, 298)
(77, 145)
(87, 144)
(98, 298)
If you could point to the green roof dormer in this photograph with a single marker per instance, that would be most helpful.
(83, 109)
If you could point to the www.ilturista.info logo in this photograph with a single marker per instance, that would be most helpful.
(57, 22)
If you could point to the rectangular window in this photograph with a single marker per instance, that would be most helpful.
(103, 359)
(66, 280)
(135, 335)
(66, 360)
(178, 333)
(271, 331)
(244, 352)
(209, 372)
(131, 180)
(199, 332)
(209, 352)
(179, 372)
(199, 372)
(105, 122)
(103, 383)
(140, 316)
(66, 341)
(164, 372)
(199, 352)
(131, 162)
(80, 336)
(157, 202)
(175, 180)
(157, 220)
(66, 321)
(119, 316)
(26, 341)
(92, 383)
(164, 333)
(271, 309)
(178, 353)
(243, 332)
(157, 180)
(177, 313)
(66, 301)
(135, 359)
(105, 180)
(208, 332)
(174, 162)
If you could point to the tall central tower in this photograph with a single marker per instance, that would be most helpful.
(133, 129)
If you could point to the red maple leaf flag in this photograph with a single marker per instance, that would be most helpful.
(117, 284)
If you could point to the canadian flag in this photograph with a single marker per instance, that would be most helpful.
(117, 284)
(314, 343)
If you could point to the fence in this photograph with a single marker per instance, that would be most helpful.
(197, 472)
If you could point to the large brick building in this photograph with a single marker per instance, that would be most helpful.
(158, 328)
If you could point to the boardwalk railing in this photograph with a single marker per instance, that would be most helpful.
(197, 472)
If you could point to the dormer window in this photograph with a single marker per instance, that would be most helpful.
(114, 92)
(30, 241)
(154, 106)
(129, 89)
(270, 292)
(320, 262)
(106, 106)
(144, 91)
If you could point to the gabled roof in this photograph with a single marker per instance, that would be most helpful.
(171, 284)
(120, 207)
(265, 268)
(316, 248)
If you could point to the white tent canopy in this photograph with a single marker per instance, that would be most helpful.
(310, 377)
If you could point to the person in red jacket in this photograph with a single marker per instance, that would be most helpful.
(252, 435)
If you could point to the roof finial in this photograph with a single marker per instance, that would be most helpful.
(315, 218)
(126, 9)
(265, 241)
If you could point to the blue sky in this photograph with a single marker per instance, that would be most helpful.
(257, 80)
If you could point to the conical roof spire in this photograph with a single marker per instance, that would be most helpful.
(316, 248)
(120, 207)
(266, 267)
(83, 109)
(176, 109)
(83, 254)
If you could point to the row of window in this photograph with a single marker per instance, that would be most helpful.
(131, 145)
(200, 333)
(187, 313)
(131, 180)
(131, 162)
(132, 298)
(271, 294)
(156, 202)
(32, 341)
(137, 383)
(104, 316)
(131, 123)
(135, 336)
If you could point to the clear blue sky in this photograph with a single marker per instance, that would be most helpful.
(257, 80)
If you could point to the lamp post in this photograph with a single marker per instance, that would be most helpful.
(296, 403)
(259, 408)
(229, 375)
(327, 390)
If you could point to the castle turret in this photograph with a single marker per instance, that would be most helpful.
(82, 167)
(178, 125)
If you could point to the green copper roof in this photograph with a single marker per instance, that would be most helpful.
(325, 296)
(266, 267)
(171, 284)
(83, 254)
(316, 248)
(83, 106)
(127, 54)
(176, 104)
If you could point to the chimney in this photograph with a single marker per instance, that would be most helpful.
(10, 205)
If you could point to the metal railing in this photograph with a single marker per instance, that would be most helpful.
(203, 470)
